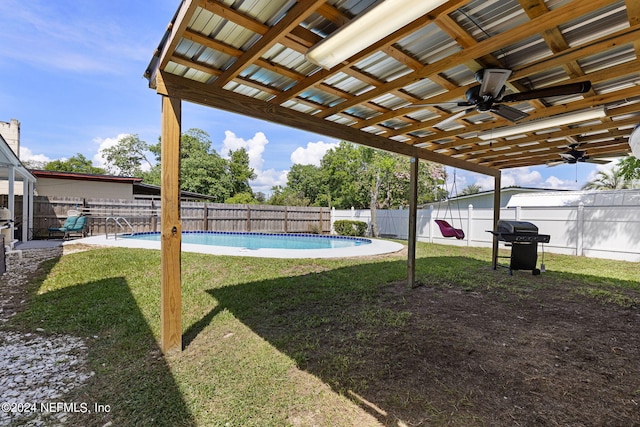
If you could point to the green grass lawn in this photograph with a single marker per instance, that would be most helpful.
(247, 326)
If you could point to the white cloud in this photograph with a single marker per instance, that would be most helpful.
(268, 179)
(103, 143)
(312, 154)
(254, 146)
(521, 177)
(485, 182)
(561, 184)
(607, 167)
(27, 155)
(265, 179)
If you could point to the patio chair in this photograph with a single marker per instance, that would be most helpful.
(73, 224)
(77, 228)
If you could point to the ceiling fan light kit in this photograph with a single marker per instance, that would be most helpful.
(382, 19)
(487, 96)
(565, 119)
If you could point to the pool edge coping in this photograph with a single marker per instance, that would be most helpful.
(377, 247)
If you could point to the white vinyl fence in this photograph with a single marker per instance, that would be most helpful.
(611, 232)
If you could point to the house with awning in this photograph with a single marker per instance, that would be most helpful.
(15, 180)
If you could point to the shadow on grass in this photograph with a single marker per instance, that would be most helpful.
(131, 376)
(347, 325)
(439, 354)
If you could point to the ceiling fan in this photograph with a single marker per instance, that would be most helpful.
(573, 156)
(487, 96)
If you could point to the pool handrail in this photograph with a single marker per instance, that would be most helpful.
(117, 221)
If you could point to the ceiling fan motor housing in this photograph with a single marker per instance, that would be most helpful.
(482, 102)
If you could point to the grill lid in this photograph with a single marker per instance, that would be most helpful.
(514, 227)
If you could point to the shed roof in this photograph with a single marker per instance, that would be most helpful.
(248, 57)
(595, 198)
(84, 176)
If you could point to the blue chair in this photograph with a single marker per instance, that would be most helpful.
(73, 224)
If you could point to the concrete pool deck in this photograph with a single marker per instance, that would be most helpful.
(377, 247)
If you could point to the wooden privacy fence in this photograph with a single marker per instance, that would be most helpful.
(144, 215)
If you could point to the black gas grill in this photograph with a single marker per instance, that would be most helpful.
(523, 237)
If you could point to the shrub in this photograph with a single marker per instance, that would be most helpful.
(345, 227)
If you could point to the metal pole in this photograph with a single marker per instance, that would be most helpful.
(496, 218)
(413, 211)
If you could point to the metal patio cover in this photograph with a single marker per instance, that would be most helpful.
(248, 57)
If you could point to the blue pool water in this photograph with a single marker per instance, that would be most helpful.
(261, 240)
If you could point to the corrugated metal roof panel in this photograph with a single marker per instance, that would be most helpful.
(429, 44)
(267, 12)
(353, 7)
(345, 96)
(320, 97)
(382, 67)
(423, 115)
(361, 112)
(610, 58)
(482, 18)
(349, 84)
(301, 107)
(608, 20)
(424, 88)
(524, 52)
(267, 77)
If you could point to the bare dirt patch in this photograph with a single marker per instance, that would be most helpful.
(539, 356)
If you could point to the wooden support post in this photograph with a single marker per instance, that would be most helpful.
(171, 229)
(154, 217)
(413, 212)
(286, 219)
(26, 213)
(496, 218)
(205, 217)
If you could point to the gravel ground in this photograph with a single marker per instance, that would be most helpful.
(37, 370)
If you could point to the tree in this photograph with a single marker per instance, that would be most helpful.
(378, 173)
(78, 163)
(607, 180)
(630, 169)
(127, 156)
(242, 199)
(342, 169)
(306, 183)
(201, 171)
(240, 171)
(34, 164)
(470, 189)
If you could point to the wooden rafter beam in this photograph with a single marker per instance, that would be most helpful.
(292, 19)
(322, 74)
(477, 147)
(551, 19)
(613, 149)
(216, 97)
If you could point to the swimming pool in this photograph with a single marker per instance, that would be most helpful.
(335, 246)
(260, 240)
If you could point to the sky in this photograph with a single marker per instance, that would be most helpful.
(71, 71)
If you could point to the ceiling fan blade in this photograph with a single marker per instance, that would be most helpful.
(509, 113)
(439, 104)
(556, 163)
(454, 117)
(568, 156)
(493, 81)
(598, 161)
(568, 89)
